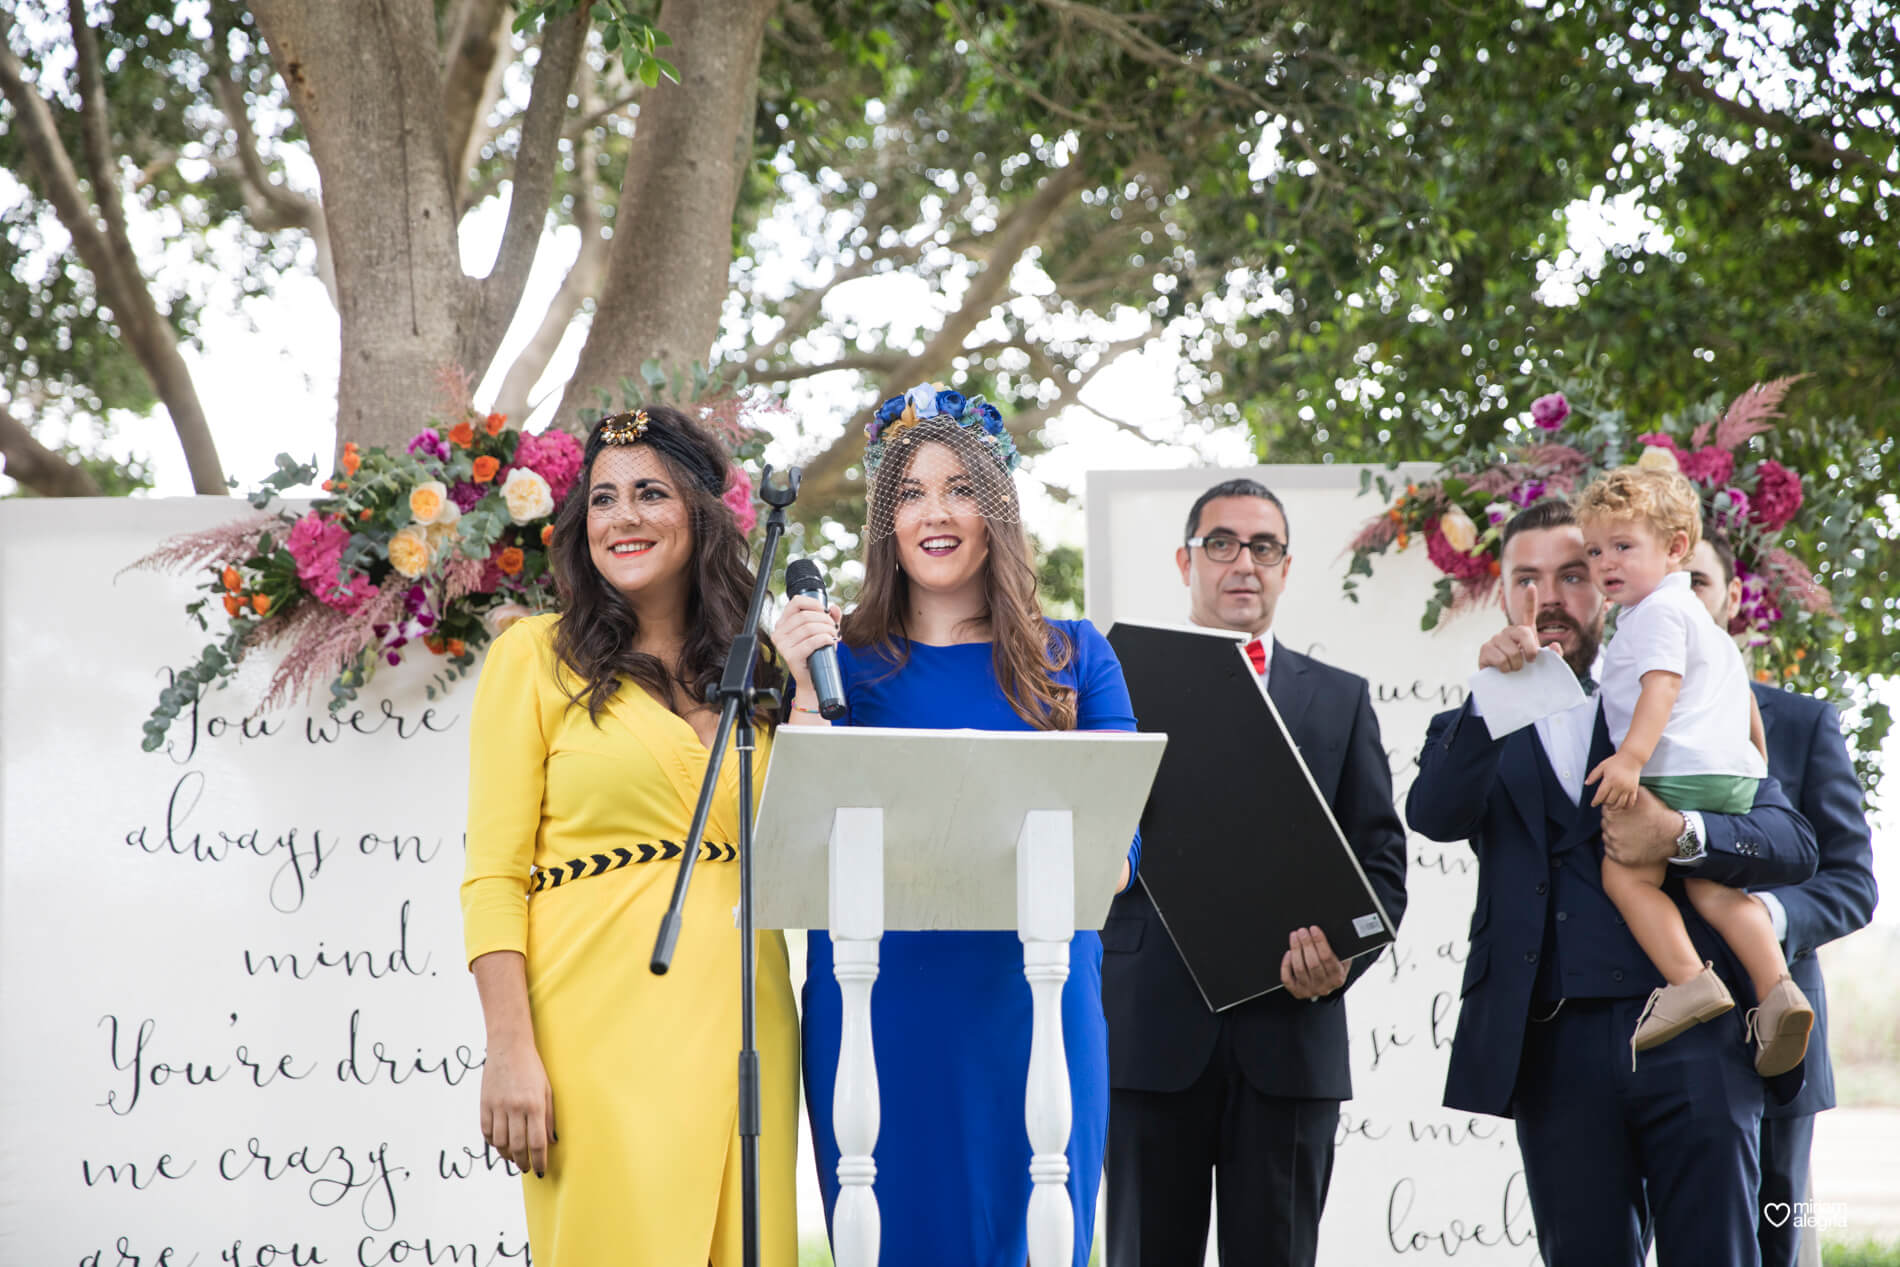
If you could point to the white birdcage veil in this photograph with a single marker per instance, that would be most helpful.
(902, 483)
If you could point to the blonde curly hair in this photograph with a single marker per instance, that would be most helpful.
(1663, 501)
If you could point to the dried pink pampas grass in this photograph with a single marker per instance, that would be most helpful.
(327, 644)
(225, 543)
(1792, 577)
(1748, 416)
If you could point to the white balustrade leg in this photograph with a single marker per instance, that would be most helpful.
(857, 925)
(1045, 920)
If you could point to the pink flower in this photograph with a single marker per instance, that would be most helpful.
(1549, 412)
(1661, 440)
(554, 455)
(317, 544)
(1452, 561)
(1707, 465)
(1734, 511)
(429, 444)
(738, 499)
(1777, 496)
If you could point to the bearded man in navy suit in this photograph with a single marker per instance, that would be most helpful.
(1808, 756)
(1554, 981)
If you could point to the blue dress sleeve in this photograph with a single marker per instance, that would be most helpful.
(1101, 698)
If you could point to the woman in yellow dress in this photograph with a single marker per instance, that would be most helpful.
(616, 1091)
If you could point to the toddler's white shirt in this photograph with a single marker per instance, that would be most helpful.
(1707, 732)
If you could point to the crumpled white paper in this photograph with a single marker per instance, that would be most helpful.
(1511, 701)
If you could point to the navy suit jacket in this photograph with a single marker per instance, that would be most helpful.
(1540, 889)
(1807, 755)
(1160, 1031)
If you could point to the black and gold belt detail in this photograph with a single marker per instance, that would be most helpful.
(599, 864)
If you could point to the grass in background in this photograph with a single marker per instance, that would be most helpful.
(1863, 1035)
(1858, 1254)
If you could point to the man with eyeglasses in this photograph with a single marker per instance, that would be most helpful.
(1243, 1104)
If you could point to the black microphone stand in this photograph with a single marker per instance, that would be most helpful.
(737, 698)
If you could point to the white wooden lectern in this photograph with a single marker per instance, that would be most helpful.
(863, 830)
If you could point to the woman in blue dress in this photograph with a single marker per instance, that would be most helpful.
(948, 634)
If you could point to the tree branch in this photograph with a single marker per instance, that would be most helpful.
(1122, 34)
(111, 261)
(1019, 230)
(97, 141)
(37, 467)
(881, 362)
(272, 205)
(47, 159)
(535, 161)
(581, 284)
(1818, 149)
(472, 63)
(1023, 86)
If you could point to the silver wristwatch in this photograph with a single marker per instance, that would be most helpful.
(1689, 847)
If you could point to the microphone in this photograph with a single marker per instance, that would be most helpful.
(802, 576)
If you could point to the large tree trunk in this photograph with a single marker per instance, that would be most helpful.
(672, 244)
(363, 77)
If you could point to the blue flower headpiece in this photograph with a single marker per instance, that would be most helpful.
(927, 401)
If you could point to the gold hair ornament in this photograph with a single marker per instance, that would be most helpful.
(625, 428)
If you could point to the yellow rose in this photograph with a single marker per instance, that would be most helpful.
(1459, 531)
(527, 495)
(409, 551)
(1657, 458)
(426, 501)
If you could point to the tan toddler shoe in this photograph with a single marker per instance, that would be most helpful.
(1780, 1026)
(1674, 1008)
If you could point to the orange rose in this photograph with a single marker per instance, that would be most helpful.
(547, 534)
(231, 579)
(435, 644)
(233, 605)
(496, 422)
(364, 514)
(260, 603)
(510, 561)
(462, 435)
(485, 468)
(351, 459)
(457, 646)
(1492, 567)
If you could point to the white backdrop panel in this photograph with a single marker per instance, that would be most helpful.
(154, 1025)
(238, 1027)
(1413, 1182)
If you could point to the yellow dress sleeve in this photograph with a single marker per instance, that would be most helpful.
(507, 775)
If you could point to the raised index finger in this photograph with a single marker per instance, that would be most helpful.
(1524, 606)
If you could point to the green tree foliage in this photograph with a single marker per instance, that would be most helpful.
(1755, 145)
(1363, 228)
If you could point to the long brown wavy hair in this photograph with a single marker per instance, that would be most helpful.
(1026, 650)
(595, 636)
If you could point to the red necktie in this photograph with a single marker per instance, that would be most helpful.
(1257, 652)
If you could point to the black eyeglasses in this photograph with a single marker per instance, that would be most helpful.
(1225, 549)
